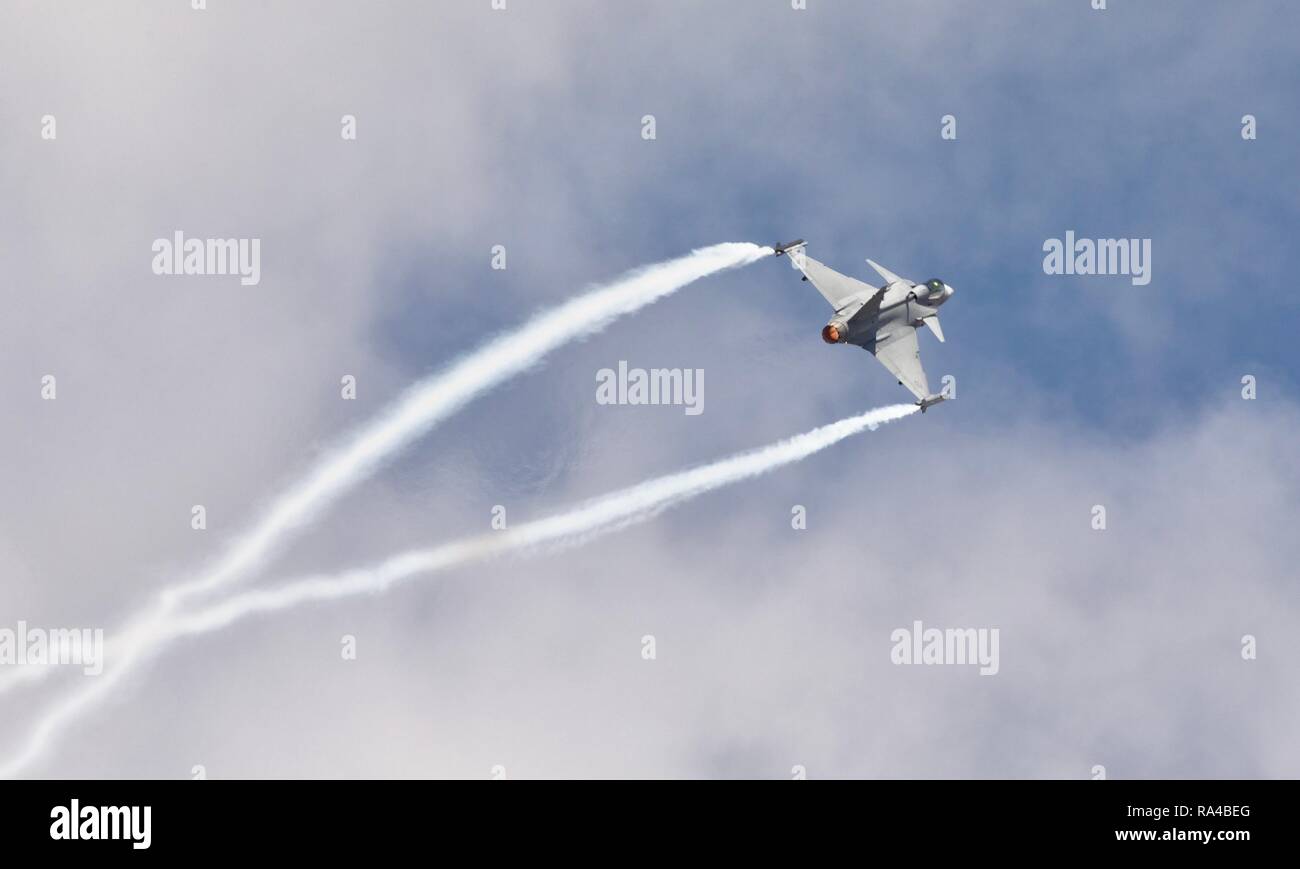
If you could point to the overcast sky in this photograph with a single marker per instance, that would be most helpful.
(1120, 648)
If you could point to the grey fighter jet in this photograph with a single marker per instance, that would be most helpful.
(881, 320)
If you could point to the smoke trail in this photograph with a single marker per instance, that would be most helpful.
(579, 525)
(585, 522)
(432, 400)
(427, 403)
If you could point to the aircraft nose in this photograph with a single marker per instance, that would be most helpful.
(948, 290)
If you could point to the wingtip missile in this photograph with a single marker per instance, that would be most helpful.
(788, 246)
(927, 403)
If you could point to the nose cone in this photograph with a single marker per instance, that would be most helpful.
(947, 290)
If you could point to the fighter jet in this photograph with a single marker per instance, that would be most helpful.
(881, 320)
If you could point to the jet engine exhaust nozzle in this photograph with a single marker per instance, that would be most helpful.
(835, 333)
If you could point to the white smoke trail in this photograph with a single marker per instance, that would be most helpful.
(430, 401)
(427, 403)
(593, 518)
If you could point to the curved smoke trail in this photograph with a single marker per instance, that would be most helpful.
(423, 406)
(434, 399)
(585, 522)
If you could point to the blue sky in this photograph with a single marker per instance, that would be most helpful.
(820, 125)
